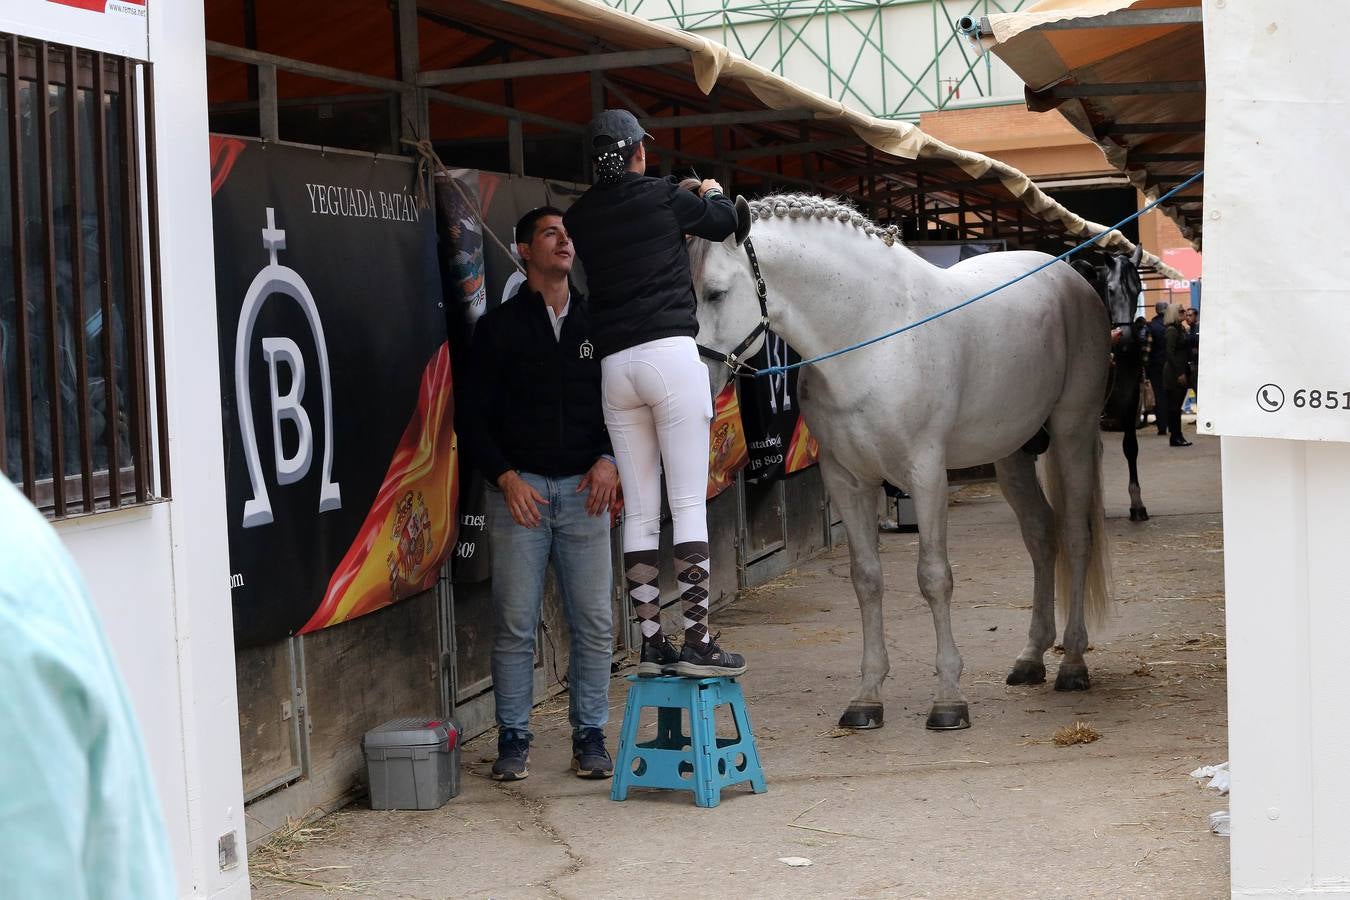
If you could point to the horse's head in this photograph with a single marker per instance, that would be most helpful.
(1116, 280)
(728, 302)
(1123, 285)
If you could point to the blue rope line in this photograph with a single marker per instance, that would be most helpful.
(778, 370)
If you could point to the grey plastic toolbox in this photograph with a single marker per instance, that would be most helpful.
(412, 763)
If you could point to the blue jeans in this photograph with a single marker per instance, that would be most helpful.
(578, 546)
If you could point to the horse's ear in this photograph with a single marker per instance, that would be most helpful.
(743, 220)
(1138, 255)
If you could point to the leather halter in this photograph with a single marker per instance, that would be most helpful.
(732, 360)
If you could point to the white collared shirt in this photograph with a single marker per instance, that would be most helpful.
(556, 319)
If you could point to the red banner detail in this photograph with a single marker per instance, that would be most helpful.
(410, 529)
(803, 450)
(91, 5)
(727, 450)
(224, 152)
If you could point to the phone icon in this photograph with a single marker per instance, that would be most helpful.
(1270, 397)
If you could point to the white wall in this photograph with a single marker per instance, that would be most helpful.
(1286, 525)
(1276, 105)
(159, 575)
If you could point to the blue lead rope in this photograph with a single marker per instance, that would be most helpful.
(778, 370)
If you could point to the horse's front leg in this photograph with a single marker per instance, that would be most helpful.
(929, 489)
(858, 505)
(1130, 445)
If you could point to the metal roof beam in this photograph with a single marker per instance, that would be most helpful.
(505, 112)
(1122, 89)
(286, 64)
(566, 65)
(727, 118)
(763, 175)
(786, 149)
(930, 186)
(549, 24)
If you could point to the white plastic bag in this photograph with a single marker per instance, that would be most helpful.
(1218, 776)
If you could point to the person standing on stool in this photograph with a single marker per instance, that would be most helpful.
(536, 432)
(630, 234)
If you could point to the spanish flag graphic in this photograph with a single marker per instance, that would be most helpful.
(727, 451)
(803, 451)
(411, 526)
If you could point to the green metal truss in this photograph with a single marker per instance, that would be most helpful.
(888, 58)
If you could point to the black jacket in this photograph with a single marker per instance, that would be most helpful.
(1157, 353)
(630, 237)
(533, 401)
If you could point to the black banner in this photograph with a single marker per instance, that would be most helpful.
(770, 412)
(335, 386)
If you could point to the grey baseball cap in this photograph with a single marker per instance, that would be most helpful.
(614, 129)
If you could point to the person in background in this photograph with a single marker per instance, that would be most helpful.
(630, 232)
(1192, 323)
(535, 429)
(1153, 365)
(78, 812)
(1176, 369)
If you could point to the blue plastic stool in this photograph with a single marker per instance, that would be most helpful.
(700, 762)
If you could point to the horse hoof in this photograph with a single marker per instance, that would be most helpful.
(1027, 671)
(1139, 514)
(862, 716)
(948, 717)
(1072, 678)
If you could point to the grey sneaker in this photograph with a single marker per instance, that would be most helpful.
(513, 756)
(590, 759)
(708, 661)
(657, 657)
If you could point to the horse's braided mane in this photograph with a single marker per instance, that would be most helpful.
(809, 206)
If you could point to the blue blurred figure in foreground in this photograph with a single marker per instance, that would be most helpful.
(78, 813)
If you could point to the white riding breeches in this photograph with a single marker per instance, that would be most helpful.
(658, 406)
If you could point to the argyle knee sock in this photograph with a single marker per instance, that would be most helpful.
(641, 569)
(691, 571)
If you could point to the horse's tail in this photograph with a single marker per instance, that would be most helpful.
(1097, 593)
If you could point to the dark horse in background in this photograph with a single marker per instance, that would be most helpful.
(1116, 280)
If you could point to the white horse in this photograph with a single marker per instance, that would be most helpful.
(970, 388)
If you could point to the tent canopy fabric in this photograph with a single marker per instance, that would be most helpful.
(1128, 74)
(543, 59)
(714, 64)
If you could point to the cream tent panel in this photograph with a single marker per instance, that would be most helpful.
(713, 62)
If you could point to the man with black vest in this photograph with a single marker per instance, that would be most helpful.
(536, 431)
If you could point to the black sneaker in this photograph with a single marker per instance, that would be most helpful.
(513, 755)
(590, 759)
(708, 661)
(657, 657)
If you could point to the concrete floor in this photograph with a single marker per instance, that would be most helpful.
(995, 811)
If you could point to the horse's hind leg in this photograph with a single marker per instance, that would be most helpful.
(1017, 478)
(857, 503)
(1076, 465)
(929, 489)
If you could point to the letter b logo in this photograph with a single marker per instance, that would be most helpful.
(280, 351)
